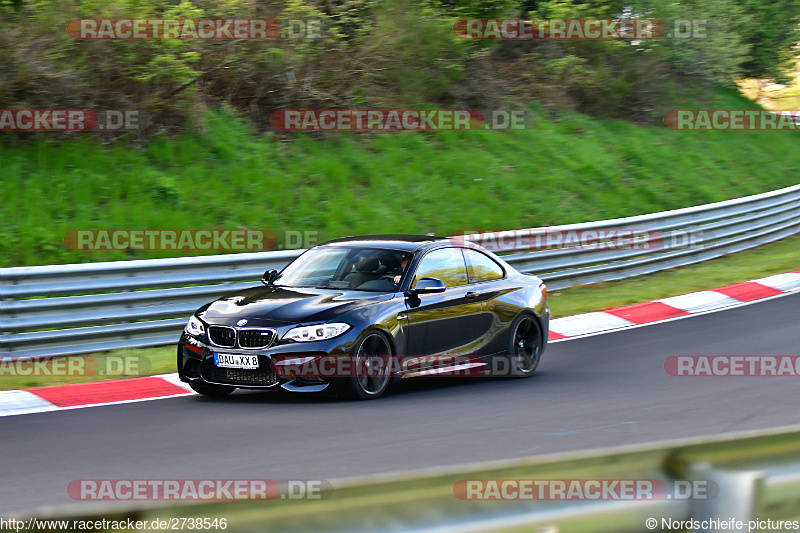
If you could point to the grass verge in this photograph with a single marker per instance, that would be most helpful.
(562, 168)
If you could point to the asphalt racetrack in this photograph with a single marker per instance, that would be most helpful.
(593, 392)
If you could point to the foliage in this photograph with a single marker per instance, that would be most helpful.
(372, 53)
(772, 34)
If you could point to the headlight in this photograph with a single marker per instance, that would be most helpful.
(316, 333)
(195, 327)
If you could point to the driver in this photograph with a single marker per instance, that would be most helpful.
(402, 268)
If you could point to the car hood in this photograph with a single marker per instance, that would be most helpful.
(272, 306)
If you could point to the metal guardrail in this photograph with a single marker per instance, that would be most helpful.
(81, 308)
(715, 482)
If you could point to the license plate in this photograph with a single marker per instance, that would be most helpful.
(232, 360)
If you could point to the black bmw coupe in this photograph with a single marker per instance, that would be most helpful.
(352, 314)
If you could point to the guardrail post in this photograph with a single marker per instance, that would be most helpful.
(739, 496)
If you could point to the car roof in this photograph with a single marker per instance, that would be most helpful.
(410, 243)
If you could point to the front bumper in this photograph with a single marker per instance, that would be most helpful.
(196, 364)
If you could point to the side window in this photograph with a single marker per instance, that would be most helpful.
(481, 267)
(446, 264)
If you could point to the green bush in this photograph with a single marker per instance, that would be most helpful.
(371, 53)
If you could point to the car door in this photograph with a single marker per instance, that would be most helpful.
(486, 286)
(443, 323)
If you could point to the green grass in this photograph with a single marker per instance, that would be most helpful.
(775, 258)
(561, 169)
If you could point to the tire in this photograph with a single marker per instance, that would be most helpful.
(525, 346)
(212, 391)
(368, 387)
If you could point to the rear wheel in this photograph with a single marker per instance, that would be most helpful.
(524, 346)
(213, 391)
(371, 361)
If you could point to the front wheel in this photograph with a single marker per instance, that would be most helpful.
(371, 360)
(524, 346)
(213, 391)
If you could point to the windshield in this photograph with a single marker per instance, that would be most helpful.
(351, 268)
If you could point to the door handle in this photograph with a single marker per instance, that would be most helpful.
(472, 295)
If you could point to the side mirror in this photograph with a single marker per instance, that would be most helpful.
(269, 276)
(428, 286)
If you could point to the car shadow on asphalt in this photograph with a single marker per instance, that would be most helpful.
(400, 389)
